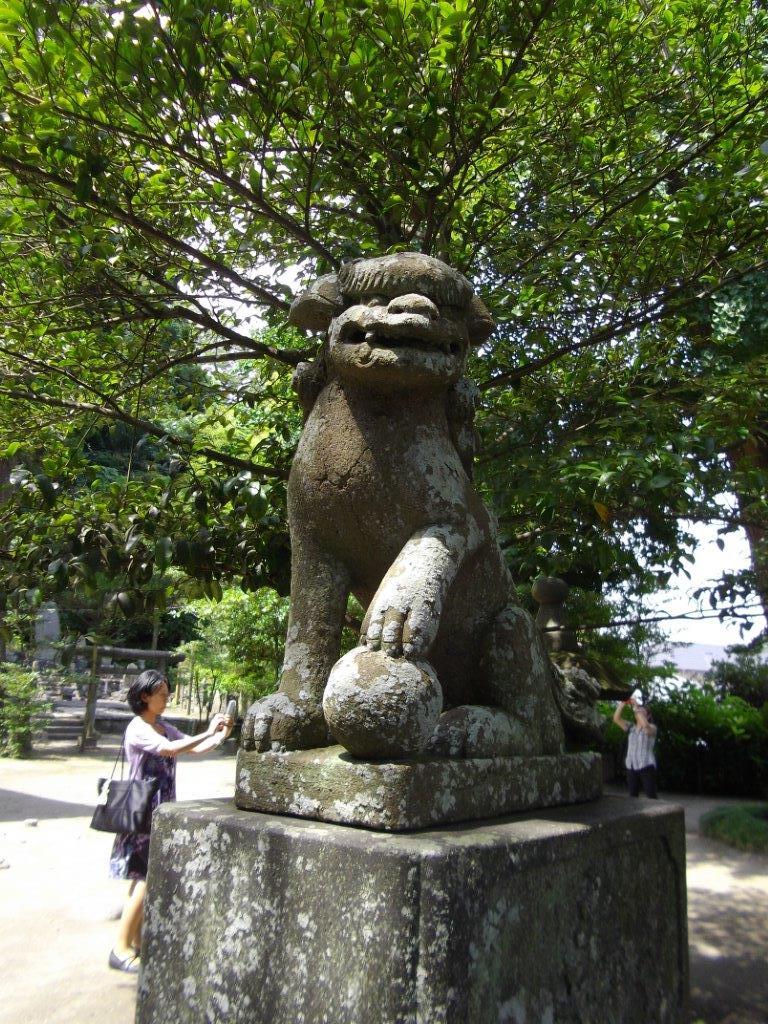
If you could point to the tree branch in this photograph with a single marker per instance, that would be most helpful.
(147, 427)
(28, 171)
(632, 323)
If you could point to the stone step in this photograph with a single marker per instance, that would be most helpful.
(63, 732)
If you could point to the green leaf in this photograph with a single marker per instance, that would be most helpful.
(46, 488)
(84, 187)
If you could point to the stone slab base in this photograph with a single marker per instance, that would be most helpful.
(328, 784)
(569, 916)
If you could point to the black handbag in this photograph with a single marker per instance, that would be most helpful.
(124, 805)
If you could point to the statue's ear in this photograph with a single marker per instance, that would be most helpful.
(480, 323)
(308, 381)
(315, 307)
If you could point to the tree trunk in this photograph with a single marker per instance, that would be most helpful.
(155, 626)
(5, 475)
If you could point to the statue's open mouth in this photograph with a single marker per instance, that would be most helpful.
(380, 339)
(377, 329)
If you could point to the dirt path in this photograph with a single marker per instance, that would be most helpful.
(58, 908)
(727, 933)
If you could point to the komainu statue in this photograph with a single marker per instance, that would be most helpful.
(381, 505)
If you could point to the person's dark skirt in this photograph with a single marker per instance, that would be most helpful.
(130, 850)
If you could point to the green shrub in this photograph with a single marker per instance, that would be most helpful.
(744, 826)
(711, 745)
(20, 703)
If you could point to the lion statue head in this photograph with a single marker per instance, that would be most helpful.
(405, 319)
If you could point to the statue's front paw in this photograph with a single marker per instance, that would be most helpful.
(278, 723)
(401, 624)
(383, 630)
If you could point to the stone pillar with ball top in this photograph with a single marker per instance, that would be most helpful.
(551, 592)
(429, 846)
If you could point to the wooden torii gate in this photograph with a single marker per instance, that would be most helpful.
(162, 659)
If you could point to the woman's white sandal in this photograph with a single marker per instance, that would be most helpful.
(129, 963)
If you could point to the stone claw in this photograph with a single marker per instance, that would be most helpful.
(276, 722)
(386, 632)
(397, 632)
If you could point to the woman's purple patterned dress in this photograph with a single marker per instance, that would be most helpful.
(130, 852)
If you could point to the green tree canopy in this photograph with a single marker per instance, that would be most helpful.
(169, 172)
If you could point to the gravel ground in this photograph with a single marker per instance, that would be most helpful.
(58, 908)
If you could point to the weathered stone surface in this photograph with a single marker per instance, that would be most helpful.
(571, 916)
(474, 731)
(551, 593)
(329, 785)
(378, 706)
(381, 505)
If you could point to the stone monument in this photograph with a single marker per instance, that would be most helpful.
(47, 634)
(451, 674)
(448, 711)
(550, 593)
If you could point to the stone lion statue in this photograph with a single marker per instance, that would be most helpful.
(381, 505)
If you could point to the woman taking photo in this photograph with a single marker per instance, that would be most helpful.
(640, 761)
(151, 748)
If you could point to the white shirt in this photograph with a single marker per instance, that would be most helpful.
(640, 746)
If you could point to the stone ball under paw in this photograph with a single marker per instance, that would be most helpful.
(378, 706)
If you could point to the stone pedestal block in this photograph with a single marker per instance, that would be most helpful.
(568, 916)
(400, 796)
